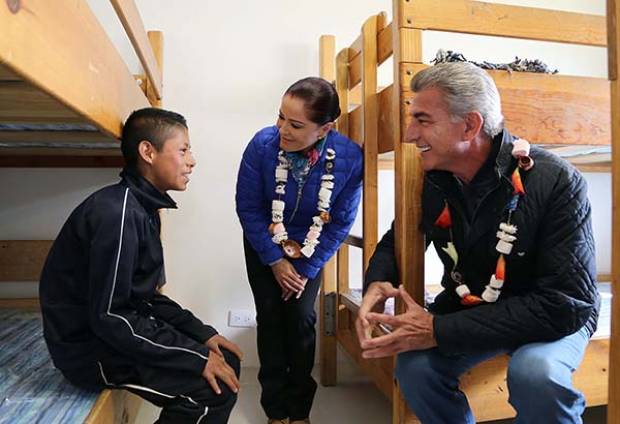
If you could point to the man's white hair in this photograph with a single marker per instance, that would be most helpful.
(466, 88)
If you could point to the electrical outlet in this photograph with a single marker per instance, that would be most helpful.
(241, 318)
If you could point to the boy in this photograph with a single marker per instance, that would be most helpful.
(105, 322)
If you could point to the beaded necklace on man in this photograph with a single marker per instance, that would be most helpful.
(506, 235)
(291, 248)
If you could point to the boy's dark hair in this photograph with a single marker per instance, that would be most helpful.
(150, 124)
(320, 97)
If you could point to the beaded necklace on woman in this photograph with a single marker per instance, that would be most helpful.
(507, 235)
(300, 167)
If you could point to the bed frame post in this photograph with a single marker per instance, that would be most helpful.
(329, 292)
(342, 87)
(613, 34)
(408, 174)
(370, 131)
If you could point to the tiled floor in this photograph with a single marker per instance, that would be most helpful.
(354, 401)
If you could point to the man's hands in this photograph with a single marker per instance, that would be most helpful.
(289, 280)
(412, 330)
(373, 301)
(217, 367)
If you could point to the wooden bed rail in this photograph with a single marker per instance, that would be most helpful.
(502, 20)
(132, 22)
(613, 28)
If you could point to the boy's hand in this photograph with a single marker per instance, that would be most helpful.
(218, 368)
(287, 276)
(217, 341)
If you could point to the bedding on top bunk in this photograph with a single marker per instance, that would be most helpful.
(31, 389)
(604, 319)
(60, 128)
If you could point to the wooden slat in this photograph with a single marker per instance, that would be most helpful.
(356, 125)
(487, 391)
(114, 406)
(384, 51)
(328, 346)
(379, 370)
(20, 102)
(28, 304)
(156, 40)
(20, 137)
(343, 268)
(89, 76)
(548, 109)
(134, 27)
(60, 152)
(370, 141)
(7, 75)
(408, 177)
(22, 260)
(41, 161)
(613, 13)
(342, 87)
(327, 57)
(386, 120)
(475, 17)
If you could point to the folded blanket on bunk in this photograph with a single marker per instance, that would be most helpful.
(31, 389)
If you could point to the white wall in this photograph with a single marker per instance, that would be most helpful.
(226, 66)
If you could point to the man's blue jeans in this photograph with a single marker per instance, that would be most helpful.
(539, 382)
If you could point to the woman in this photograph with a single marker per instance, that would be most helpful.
(298, 191)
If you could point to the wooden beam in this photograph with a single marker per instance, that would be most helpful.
(42, 161)
(22, 260)
(384, 51)
(342, 87)
(329, 344)
(20, 102)
(327, 57)
(408, 181)
(502, 20)
(613, 15)
(134, 27)
(49, 137)
(548, 109)
(60, 152)
(370, 141)
(89, 77)
(156, 40)
(386, 120)
(28, 304)
(7, 75)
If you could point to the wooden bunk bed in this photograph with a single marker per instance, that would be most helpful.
(64, 89)
(539, 107)
(64, 93)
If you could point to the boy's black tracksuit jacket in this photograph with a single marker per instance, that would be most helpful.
(99, 286)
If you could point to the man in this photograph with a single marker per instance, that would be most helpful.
(105, 322)
(513, 231)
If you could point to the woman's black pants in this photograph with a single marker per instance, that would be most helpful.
(286, 340)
